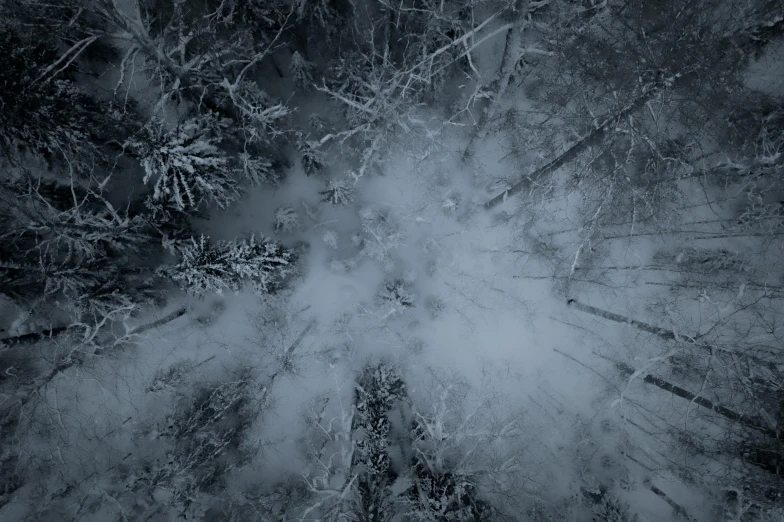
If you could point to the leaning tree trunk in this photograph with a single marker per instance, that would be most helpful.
(75, 358)
(725, 412)
(598, 312)
(665, 385)
(648, 94)
(8, 343)
(509, 60)
(668, 335)
(592, 138)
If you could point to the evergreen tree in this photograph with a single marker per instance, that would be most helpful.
(340, 192)
(204, 439)
(185, 164)
(444, 497)
(226, 265)
(259, 170)
(438, 493)
(311, 157)
(287, 219)
(397, 293)
(380, 237)
(301, 71)
(377, 390)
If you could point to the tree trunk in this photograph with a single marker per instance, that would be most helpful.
(645, 327)
(660, 332)
(49, 333)
(592, 138)
(679, 511)
(160, 322)
(508, 62)
(700, 401)
(71, 361)
(31, 338)
(770, 290)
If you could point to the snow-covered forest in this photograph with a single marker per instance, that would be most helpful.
(392, 260)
